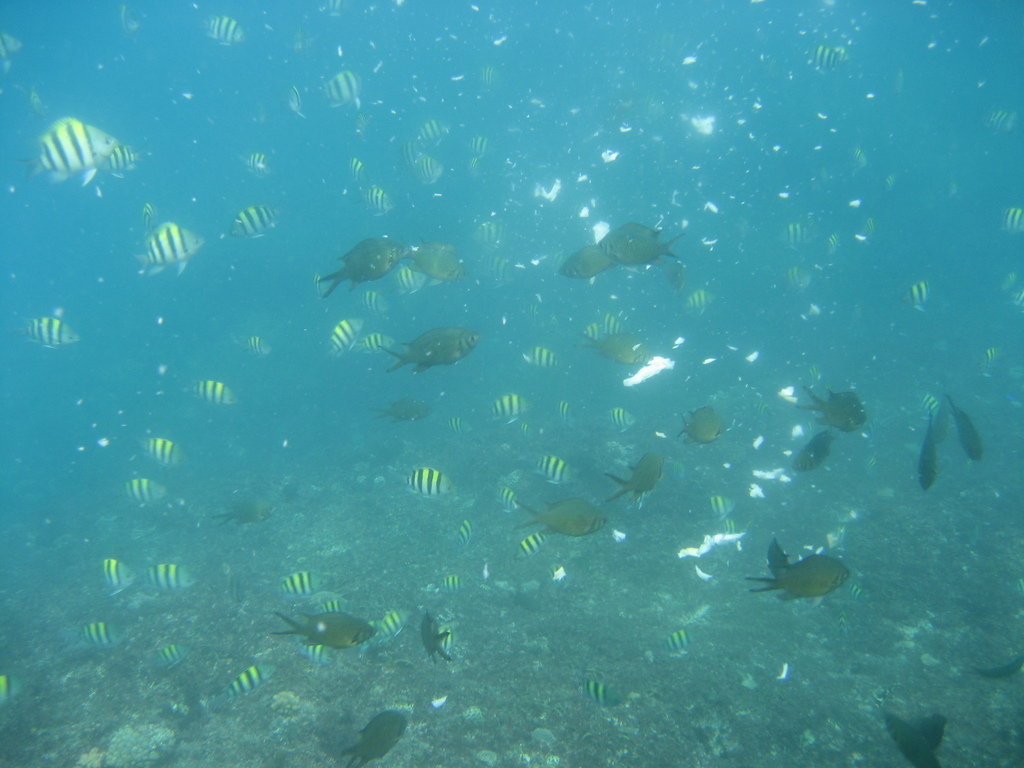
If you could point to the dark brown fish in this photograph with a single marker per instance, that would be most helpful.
(405, 409)
(438, 260)
(433, 638)
(634, 244)
(815, 452)
(1006, 670)
(842, 410)
(646, 475)
(814, 576)
(334, 629)
(917, 741)
(440, 346)
(704, 426)
(622, 348)
(377, 738)
(371, 259)
(588, 261)
(970, 440)
(928, 461)
(247, 512)
(572, 517)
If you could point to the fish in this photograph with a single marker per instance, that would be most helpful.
(646, 474)
(246, 512)
(587, 262)
(797, 234)
(439, 346)
(797, 279)
(571, 517)
(1004, 120)
(621, 419)
(812, 455)
(554, 469)
(256, 163)
(256, 346)
(531, 544)
(377, 739)
(722, 506)
(169, 244)
(705, 426)
(488, 75)
(216, 392)
(376, 342)
(343, 337)
(699, 300)
(374, 302)
(163, 451)
(253, 221)
(829, 57)
(378, 201)
(1005, 670)
(409, 281)
(122, 158)
(295, 101)
(35, 103)
(1013, 220)
(169, 577)
(101, 635)
(677, 642)
(70, 146)
(9, 688)
(917, 741)
(457, 425)
(148, 217)
(427, 169)
(603, 694)
(842, 410)
(300, 584)
(251, 679)
(9, 45)
(465, 533)
(451, 584)
(171, 655)
(927, 462)
(541, 357)
(117, 575)
(438, 261)
(51, 332)
(814, 576)
(429, 482)
(370, 259)
(622, 348)
(432, 638)
(143, 490)
(343, 88)
(334, 629)
(564, 412)
(478, 146)
(917, 294)
(507, 498)
(358, 170)
(434, 130)
(634, 244)
(406, 409)
(832, 245)
(510, 407)
(970, 440)
(389, 626)
(224, 30)
(490, 233)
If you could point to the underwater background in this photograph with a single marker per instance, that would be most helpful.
(844, 179)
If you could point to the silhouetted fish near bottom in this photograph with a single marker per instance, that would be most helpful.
(917, 741)
(814, 453)
(970, 440)
(1004, 671)
(377, 738)
(928, 461)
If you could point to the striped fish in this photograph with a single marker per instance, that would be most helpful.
(510, 407)
(249, 680)
(257, 164)
(300, 584)
(253, 221)
(122, 159)
(101, 634)
(621, 419)
(143, 490)
(148, 217)
(169, 577)
(344, 336)
(429, 482)
(224, 30)
(554, 469)
(70, 147)
(216, 392)
(257, 346)
(49, 331)
(343, 88)
(171, 654)
(541, 357)
(117, 575)
(531, 544)
(169, 244)
(163, 451)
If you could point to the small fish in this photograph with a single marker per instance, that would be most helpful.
(117, 575)
(677, 642)
(432, 637)
(564, 412)
(343, 88)
(215, 392)
(253, 221)
(621, 419)
(970, 439)
(434, 130)
(374, 302)
(122, 158)
(510, 407)
(169, 244)
(829, 57)
(101, 635)
(318, 654)
(930, 403)
(70, 146)
(163, 451)
(295, 101)
(860, 160)
(391, 625)
(168, 577)
(9, 688)
(1013, 220)
(143, 490)
(428, 170)
(542, 357)
(256, 346)
(721, 506)
(224, 30)
(465, 533)
(478, 146)
(797, 234)
(507, 497)
(129, 24)
(554, 469)
(812, 455)
(429, 482)
(333, 629)
(928, 460)
(451, 584)
(814, 576)
(531, 544)
(343, 337)
(249, 680)
(300, 584)
(409, 280)
(378, 201)
(1001, 120)
(832, 245)
(704, 426)
(171, 655)
(917, 295)
(603, 694)
(646, 474)
(457, 425)
(148, 217)
(376, 739)
(256, 164)
(699, 300)
(51, 332)
(1006, 670)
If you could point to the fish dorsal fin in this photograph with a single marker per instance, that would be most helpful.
(932, 729)
(777, 559)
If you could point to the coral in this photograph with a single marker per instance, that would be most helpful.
(287, 703)
(137, 745)
(94, 758)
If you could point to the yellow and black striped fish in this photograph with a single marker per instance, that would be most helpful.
(376, 342)
(677, 642)
(224, 30)
(434, 130)
(148, 217)
(564, 411)
(49, 331)
(169, 244)
(554, 469)
(117, 575)
(510, 407)
(374, 302)
(409, 280)
(300, 584)
(429, 482)
(603, 694)
(1013, 220)
(163, 451)
(378, 201)
(507, 497)
(253, 221)
(122, 158)
(101, 634)
(699, 300)
(257, 346)
(917, 295)
(70, 146)
(478, 146)
(257, 164)
(295, 101)
(428, 170)
(457, 425)
(829, 57)
(249, 680)
(542, 357)
(216, 392)
(143, 490)
(531, 544)
(169, 577)
(344, 336)
(1001, 120)
(451, 584)
(343, 88)
(621, 419)
(465, 533)
(171, 654)
(358, 170)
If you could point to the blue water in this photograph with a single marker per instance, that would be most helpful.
(606, 98)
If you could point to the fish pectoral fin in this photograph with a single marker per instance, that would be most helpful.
(88, 175)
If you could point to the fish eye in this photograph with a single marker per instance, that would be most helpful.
(321, 626)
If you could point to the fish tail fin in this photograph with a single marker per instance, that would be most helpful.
(623, 490)
(296, 629)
